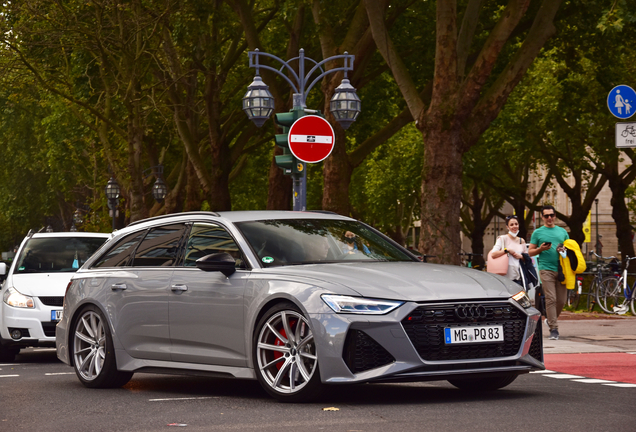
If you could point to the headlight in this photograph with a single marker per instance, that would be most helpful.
(359, 305)
(13, 298)
(522, 298)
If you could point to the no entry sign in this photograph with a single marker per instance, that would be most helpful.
(311, 139)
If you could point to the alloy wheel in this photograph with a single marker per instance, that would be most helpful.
(89, 345)
(286, 352)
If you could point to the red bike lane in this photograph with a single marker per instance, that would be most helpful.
(620, 367)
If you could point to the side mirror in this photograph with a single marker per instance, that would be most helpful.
(222, 262)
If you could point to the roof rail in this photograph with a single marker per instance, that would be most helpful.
(30, 233)
(192, 213)
(324, 212)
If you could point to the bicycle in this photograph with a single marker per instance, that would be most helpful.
(469, 262)
(604, 272)
(574, 295)
(617, 297)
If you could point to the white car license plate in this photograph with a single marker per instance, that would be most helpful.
(56, 315)
(457, 335)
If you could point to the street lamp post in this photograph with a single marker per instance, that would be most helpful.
(258, 102)
(159, 189)
(598, 239)
(112, 193)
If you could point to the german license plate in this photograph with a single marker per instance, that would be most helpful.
(475, 334)
(56, 315)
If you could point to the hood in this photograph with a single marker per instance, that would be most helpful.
(408, 281)
(41, 284)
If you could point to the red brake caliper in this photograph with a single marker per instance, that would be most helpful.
(279, 342)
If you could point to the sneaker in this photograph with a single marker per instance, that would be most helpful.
(554, 334)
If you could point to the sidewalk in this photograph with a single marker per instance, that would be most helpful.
(592, 333)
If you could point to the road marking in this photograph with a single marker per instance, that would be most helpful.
(186, 398)
(593, 381)
(621, 385)
(60, 373)
(543, 372)
(11, 364)
(8, 376)
(564, 376)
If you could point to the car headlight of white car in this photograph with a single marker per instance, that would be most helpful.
(359, 305)
(16, 299)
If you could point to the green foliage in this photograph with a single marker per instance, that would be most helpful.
(386, 188)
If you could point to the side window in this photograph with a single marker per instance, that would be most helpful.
(120, 254)
(206, 239)
(160, 247)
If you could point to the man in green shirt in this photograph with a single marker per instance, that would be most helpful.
(544, 242)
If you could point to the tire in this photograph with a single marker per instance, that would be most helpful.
(633, 303)
(286, 367)
(93, 352)
(610, 294)
(7, 355)
(483, 384)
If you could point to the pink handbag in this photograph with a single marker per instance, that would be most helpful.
(497, 265)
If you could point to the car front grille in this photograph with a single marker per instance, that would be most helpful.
(536, 347)
(52, 301)
(425, 328)
(49, 328)
(362, 352)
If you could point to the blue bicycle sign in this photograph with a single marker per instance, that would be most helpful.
(621, 101)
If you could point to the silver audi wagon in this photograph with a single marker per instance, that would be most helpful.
(297, 300)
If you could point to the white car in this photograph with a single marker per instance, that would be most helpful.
(33, 293)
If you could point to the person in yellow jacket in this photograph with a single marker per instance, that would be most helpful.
(572, 262)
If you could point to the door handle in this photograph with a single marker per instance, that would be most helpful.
(179, 288)
(118, 286)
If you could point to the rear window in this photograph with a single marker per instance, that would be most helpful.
(56, 254)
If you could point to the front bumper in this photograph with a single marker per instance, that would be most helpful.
(408, 344)
(35, 325)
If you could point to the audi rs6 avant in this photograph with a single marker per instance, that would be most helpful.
(298, 301)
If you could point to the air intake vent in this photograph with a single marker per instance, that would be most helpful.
(536, 347)
(52, 301)
(362, 353)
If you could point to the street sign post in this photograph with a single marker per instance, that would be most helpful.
(621, 101)
(625, 135)
(311, 139)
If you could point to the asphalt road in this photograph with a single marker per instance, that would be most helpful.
(38, 393)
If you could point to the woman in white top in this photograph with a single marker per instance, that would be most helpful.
(512, 245)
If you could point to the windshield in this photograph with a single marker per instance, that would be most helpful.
(56, 254)
(311, 241)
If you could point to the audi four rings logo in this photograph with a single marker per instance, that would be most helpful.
(470, 311)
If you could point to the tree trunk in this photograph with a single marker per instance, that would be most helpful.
(441, 195)
(477, 245)
(620, 214)
(138, 208)
(279, 194)
(479, 227)
(193, 198)
(337, 176)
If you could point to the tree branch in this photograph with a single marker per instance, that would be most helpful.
(466, 34)
(496, 96)
(389, 53)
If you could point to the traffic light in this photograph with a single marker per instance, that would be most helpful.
(287, 162)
